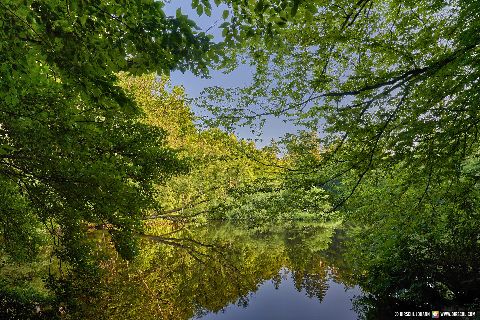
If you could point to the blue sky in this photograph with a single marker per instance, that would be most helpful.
(274, 128)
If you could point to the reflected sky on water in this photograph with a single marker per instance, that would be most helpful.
(285, 302)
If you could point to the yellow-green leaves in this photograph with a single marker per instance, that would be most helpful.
(74, 148)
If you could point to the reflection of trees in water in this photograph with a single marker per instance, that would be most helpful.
(193, 272)
(315, 285)
(306, 249)
(201, 270)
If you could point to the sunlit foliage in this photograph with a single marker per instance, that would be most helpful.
(392, 88)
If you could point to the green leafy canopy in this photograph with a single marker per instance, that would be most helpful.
(73, 145)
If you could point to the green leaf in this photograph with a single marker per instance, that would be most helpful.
(259, 7)
(225, 14)
(294, 10)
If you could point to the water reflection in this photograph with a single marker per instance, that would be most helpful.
(283, 300)
(224, 271)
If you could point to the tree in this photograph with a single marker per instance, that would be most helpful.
(392, 86)
(393, 80)
(73, 145)
(219, 163)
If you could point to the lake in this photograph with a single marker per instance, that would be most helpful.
(285, 301)
(228, 271)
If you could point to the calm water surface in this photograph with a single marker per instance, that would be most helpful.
(226, 271)
(285, 301)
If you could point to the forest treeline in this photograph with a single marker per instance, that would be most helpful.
(91, 135)
(227, 178)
